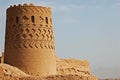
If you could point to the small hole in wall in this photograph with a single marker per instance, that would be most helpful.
(33, 19)
(46, 20)
(17, 19)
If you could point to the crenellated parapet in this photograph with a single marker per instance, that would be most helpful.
(30, 7)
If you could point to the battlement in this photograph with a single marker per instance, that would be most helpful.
(29, 9)
(26, 5)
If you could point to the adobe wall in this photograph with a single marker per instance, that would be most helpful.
(29, 41)
(72, 66)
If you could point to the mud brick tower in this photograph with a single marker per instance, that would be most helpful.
(29, 41)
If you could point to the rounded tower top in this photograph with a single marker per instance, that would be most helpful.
(28, 9)
(28, 14)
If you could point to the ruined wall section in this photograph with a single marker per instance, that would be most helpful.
(29, 42)
(72, 66)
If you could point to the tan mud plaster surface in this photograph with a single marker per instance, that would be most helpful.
(29, 41)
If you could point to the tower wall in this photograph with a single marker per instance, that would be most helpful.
(29, 41)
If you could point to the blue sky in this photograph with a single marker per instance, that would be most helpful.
(83, 29)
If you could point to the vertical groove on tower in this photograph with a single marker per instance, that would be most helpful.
(29, 41)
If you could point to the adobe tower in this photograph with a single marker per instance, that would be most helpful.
(29, 41)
